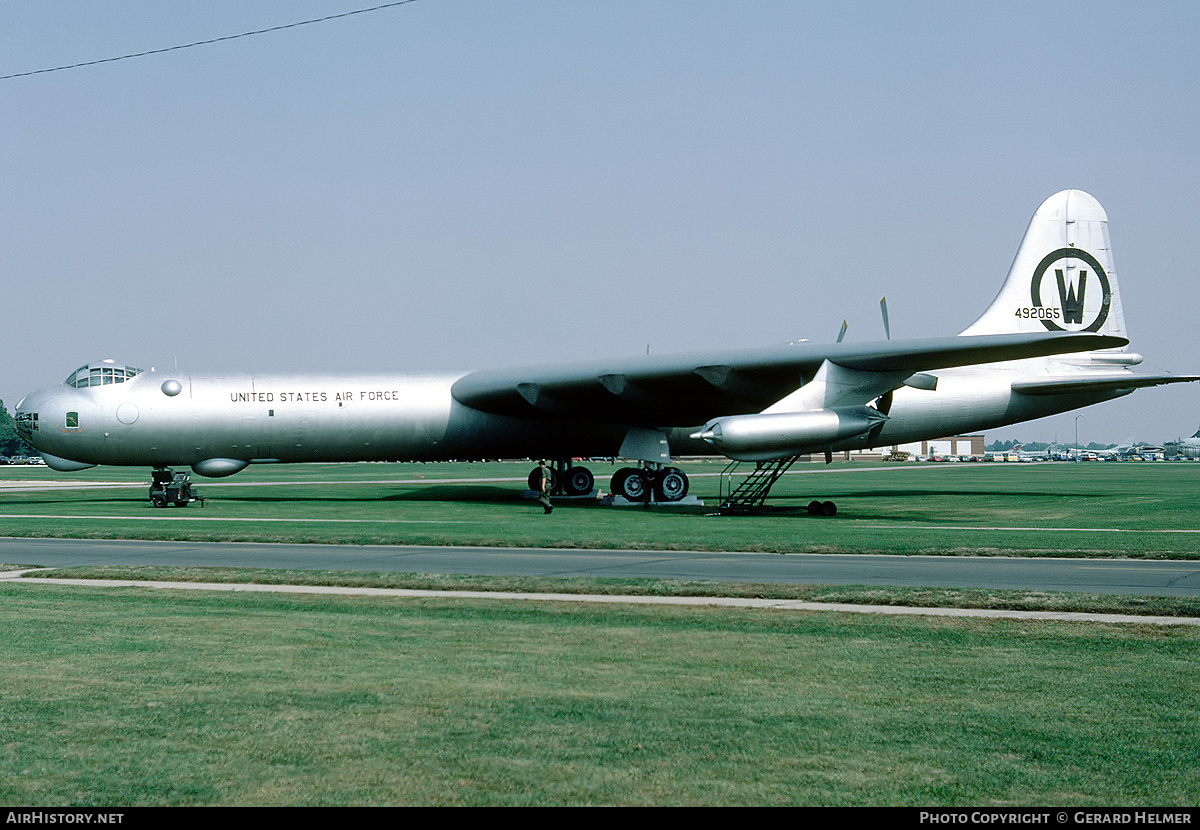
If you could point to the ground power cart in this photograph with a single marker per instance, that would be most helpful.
(169, 487)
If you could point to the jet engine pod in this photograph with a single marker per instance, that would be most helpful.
(219, 467)
(779, 434)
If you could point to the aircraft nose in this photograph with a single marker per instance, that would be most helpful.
(42, 420)
(28, 414)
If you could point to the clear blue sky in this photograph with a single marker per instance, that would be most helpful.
(467, 184)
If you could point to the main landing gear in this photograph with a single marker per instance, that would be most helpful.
(640, 483)
(565, 479)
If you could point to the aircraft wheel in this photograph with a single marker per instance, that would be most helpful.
(814, 508)
(672, 485)
(535, 479)
(828, 509)
(580, 481)
(630, 484)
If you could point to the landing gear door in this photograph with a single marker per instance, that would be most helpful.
(648, 445)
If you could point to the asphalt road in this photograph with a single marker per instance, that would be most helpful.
(1111, 576)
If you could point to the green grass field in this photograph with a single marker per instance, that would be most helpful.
(1131, 509)
(127, 697)
(132, 697)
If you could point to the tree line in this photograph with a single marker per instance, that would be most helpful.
(10, 443)
(1036, 446)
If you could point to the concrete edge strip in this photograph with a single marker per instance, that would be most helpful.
(727, 602)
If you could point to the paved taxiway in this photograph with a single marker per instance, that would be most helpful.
(1110, 576)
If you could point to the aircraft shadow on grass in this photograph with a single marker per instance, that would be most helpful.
(455, 493)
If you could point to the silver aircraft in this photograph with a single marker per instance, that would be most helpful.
(1053, 340)
(1186, 447)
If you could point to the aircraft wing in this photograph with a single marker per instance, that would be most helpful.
(691, 388)
(1095, 383)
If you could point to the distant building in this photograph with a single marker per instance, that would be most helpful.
(955, 445)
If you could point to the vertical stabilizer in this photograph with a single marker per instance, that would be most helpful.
(1062, 278)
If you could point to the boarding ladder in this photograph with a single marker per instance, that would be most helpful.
(748, 497)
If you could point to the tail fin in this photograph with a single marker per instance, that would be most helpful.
(1062, 278)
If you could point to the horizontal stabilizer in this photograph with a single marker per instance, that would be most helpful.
(1102, 383)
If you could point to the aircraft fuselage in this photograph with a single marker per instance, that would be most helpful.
(269, 419)
(218, 425)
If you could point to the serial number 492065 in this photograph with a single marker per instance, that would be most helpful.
(1039, 313)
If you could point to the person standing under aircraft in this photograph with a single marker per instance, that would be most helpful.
(544, 493)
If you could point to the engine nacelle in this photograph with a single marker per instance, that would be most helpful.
(219, 467)
(763, 437)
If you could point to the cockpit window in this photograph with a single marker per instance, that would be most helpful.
(101, 374)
